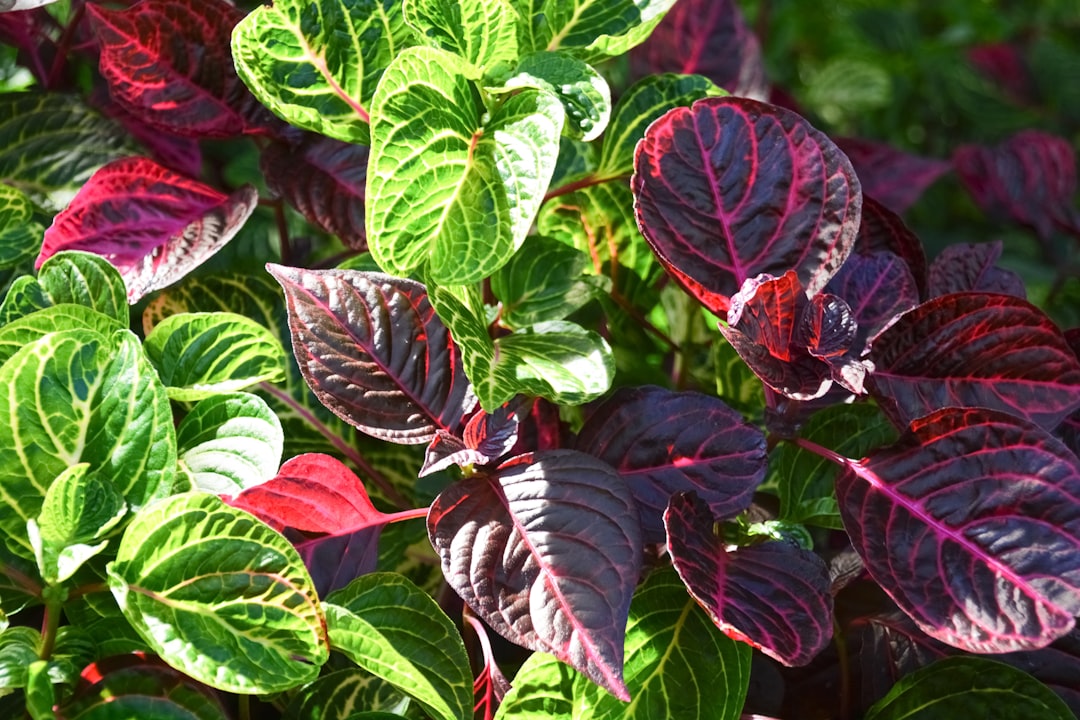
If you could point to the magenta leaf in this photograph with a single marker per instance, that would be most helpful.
(663, 442)
(705, 37)
(546, 549)
(883, 230)
(969, 267)
(894, 178)
(1004, 65)
(168, 63)
(373, 351)
(154, 225)
(970, 523)
(486, 438)
(1030, 178)
(975, 350)
(324, 179)
(731, 188)
(774, 596)
(878, 288)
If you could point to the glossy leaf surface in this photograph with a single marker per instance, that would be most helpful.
(481, 33)
(20, 228)
(542, 282)
(882, 230)
(589, 29)
(340, 695)
(230, 442)
(878, 288)
(894, 178)
(486, 438)
(25, 330)
(969, 267)
(87, 279)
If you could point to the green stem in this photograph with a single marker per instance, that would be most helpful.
(49, 625)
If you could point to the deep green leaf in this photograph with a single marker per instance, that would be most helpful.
(199, 355)
(344, 695)
(38, 324)
(577, 159)
(736, 383)
(541, 282)
(481, 32)
(219, 596)
(85, 279)
(543, 689)
(19, 647)
(395, 631)
(24, 296)
(20, 231)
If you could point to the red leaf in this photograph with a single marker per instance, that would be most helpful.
(154, 225)
(967, 267)
(1003, 64)
(731, 188)
(894, 178)
(178, 153)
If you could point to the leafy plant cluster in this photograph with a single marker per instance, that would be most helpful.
(690, 418)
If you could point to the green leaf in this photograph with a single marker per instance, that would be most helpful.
(585, 95)
(445, 188)
(736, 383)
(19, 648)
(20, 232)
(85, 279)
(219, 596)
(395, 631)
(541, 282)
(967, 686)
(577, 159)
(590, 29)
(543, 689)
(344, 695)
(40, 323)
(24, 297)
(78, 396)
(316, 64)
(480, 32)
(40, 692)
(230, 442)
(203, 354)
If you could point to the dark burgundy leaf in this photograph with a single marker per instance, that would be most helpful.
(705, 37)
(970, 523)
(975, 350)
(540, 428)
(878, 288)
(883, 230)
(168, 63)
(486, 438)
(894, 178)
(774, 596)
(1030, 178)
(663, 442)
(1069, 430)
(324, 179)
(154, 225)
(374, 352)
(178, 153)
(731, 188)
(1003, 64)
(828, 326)
(968, 267)
(546, 549)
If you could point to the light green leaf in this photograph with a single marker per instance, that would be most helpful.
(481, 32)
(966, 686)
(445, 188)
(40, 323)
(543, 689)
(85, 279)
(541, 282)
(395, 631)
(40, 692)
(316, 64)
(199, 355)
(20, 231)
(585, 95)
(19, 647)
(219, 596)
(343, 695)
(230, 442)
(78, 396)
(590, 29)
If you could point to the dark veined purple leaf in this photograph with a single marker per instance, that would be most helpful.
(774, 596)
(975, 350)
(373, 351)
(546, 549)
(878, 288)
(1029, 178)
(1069, 429)
(324, 179)
(663, 442)
(969, 267)
(894, 178)
(486, 438)
(705, 37)
(154, 225)
(1004, 64)
(970, 523)
(176, 152)
(168, 63)
(883, 230)
(731, 188)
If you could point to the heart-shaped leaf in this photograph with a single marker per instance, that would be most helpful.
(198, 580)
(976, 350)
(546, 549)
(230, 442)
(967, 267)
(894, 178)
(663, 442)
(155, 226)
(373, 351)
(969, 524)
(482, 34)
(774, 596)
(716, 217)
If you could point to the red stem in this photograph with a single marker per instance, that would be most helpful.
(587, 181)
(64, 45)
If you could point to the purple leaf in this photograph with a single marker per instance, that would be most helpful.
(1003, 64)
(546, 550)
(705, 37)
(878, 288)
(324, 179)
(168, 63)
(486, 438)
(373, 351)
(663, 442)
(975, 350)
(971, 525)
(774, 596)
(1069, 429)
(967, 267)
(894, 178)
(883, 230)
(180, 154)
(731, 188)
(154, 225)
(1030, 178)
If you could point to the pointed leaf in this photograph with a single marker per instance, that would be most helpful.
(374, 352)
(87, 279)
(969, 525)
(976, 350)
(486, 438)
(894, 178)
(774, 596)
(395, 631)
(716, 218)
(546, 549)
(481, 33)
(25, 330)
(664, 442)
(198, 579)
(967, 267)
